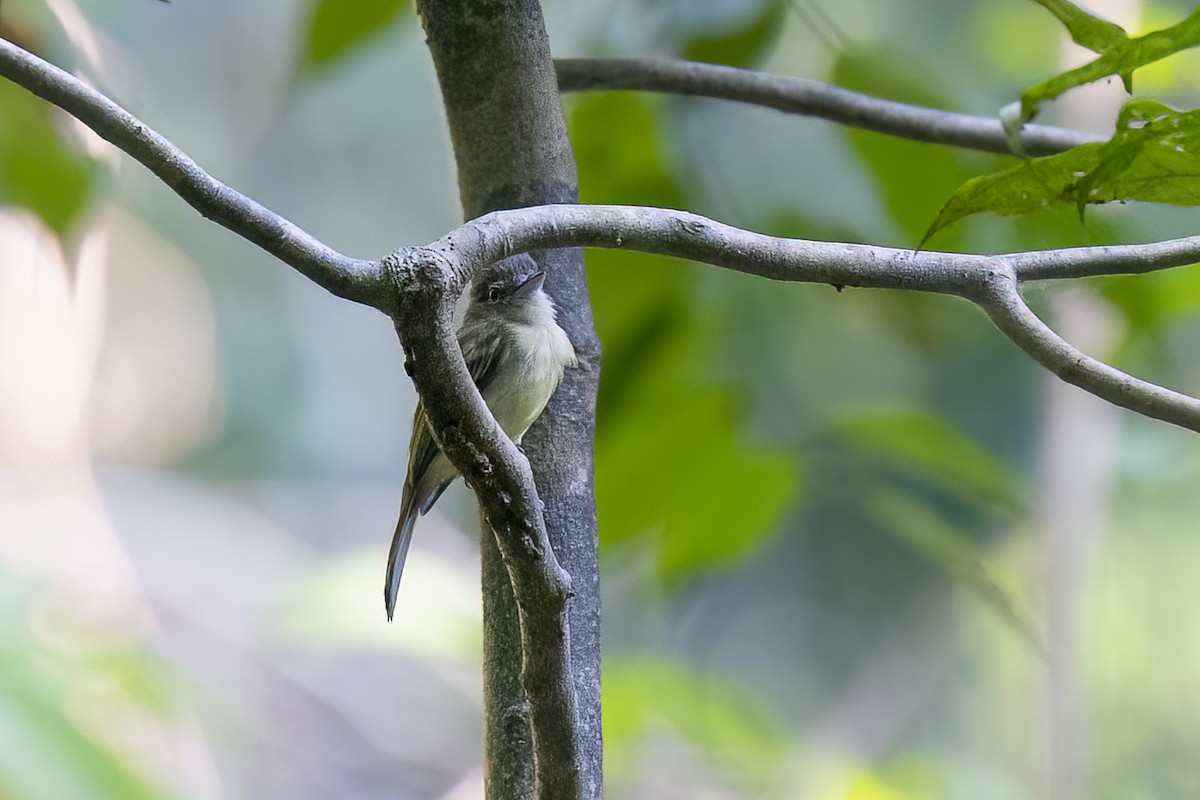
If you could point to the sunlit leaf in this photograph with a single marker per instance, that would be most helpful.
(38, 170)
(335, 29)
(937, 449)
(1153, 157)
(642, 694)
(866, 786)
(1121, 59)
(1086, 30)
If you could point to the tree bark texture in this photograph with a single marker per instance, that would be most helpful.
(510, 144)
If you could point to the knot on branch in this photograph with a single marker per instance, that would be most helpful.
(690, 225)
(454, 439)
(993, 279)
(430, 271)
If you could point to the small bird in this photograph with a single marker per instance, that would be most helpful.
(516, 353)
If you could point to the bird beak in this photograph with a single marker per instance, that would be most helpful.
(530, 284)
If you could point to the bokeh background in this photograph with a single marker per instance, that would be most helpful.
(856, 546)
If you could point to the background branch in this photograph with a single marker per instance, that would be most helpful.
(809, 98)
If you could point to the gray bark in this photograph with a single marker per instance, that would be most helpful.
(510, 144)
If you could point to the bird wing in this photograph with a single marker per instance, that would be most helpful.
(424, 483)
(482, 363)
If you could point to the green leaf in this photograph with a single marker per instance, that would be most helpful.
(671, 464)
(38, 170)
(336, 29)
(743, 46)
(935, 448)
(1153, 157)
(1096, 34)
(963, 561)
(1121, 59)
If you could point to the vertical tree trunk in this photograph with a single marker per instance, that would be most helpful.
(510, 144)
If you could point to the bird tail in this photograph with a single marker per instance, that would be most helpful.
(415, 502)
(399, 551)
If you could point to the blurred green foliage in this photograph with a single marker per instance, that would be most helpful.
(56, 698)
(671, 466)
(912, 178)
(336, 29)
(645, 695)
(932, 445)
(38, 168)
(743, 44)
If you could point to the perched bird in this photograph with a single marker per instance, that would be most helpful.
(516, 353)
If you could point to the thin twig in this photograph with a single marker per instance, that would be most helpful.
(809, 98)
(1090, 262)
(1003, 303)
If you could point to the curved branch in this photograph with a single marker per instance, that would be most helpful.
(810, 98)
(691, 236)
(351, 278)
(1003, 303)
(683, 234)
(988, 281)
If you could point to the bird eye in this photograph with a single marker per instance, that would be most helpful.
(493, 294)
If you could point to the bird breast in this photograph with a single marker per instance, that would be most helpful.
(539, 354)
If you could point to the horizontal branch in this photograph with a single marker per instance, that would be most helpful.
(988, 281)
(415, 276)
(351, 278)
(682, 234)
(810, 98)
